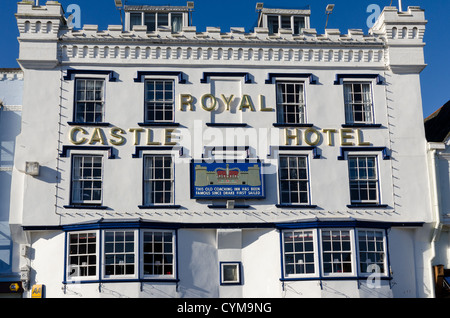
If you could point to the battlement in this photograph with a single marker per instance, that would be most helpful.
(408, 25)
(215, 34)
(11, 74)
(261, 45)
(43, 20)
(404, 33)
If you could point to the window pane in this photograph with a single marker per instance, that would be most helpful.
(177, 22)
(119, 253)
(358, 103)
(286, 22)
(159, 102)
(150, 21)
(87, 179)
(363, 179)
(89, 101)
(163, 19)
(293, 180)
(299, 24)
(158, 180)
(371, 251)
(230, 273)
(135, 19)
(158, 253)
(83, 259)
(272, 24)
(337, 252)
(290, 105)
(298, 252)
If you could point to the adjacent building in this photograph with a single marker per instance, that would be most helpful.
(11, 88)
(157, 160)
(437, 128)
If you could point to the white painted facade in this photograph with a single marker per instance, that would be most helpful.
(439, 160)
(206, 69)
(11, 89)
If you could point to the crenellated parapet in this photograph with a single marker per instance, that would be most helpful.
(11, 74)
(39, 28)
(404, 34)
(46, 41)
(235, 46)
(43, 21)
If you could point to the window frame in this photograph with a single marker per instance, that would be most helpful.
(143, 253)
(135, 253)
(86, 101)
(300, 106)
(68, 266)
(292, 19)
(319, 251)
(352, 252)
(157, 24)
(155, 101)
(100, 231)
(280, 180)
(238, 266)
(74, 188)
(349, 106)
(315, 252)
(368, 180)
(145, 191)
(384, 273)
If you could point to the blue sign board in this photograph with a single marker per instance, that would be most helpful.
(227, 180)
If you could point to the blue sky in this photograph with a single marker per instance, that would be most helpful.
(348, 14)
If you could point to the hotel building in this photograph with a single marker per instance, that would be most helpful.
(158, 160)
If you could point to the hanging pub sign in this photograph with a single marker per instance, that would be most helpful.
(227, 180)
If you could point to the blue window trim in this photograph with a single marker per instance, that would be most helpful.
(354, 225)
(313, 80)
(292, 125)
(361, 125)
(224, 206)
(207, 149)
(89, 124)
(314, 149)
(139, 223)
(226, 124)
(340, 77)
(160, 207)
(207, 75)
(296, 206)
(119, 226)
(384, 151)
(99, 124)
(367, 205)
(86, 207)
(140, 149)
(81, 205)
(71, 72)
(66, 149)
(299, 205)
(140, 74)
(222, 283)
(158, 124)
